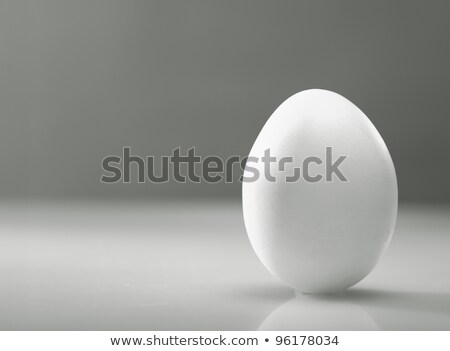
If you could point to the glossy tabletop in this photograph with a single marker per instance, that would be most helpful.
(188, 265)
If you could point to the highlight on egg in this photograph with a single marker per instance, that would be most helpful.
(319, 193)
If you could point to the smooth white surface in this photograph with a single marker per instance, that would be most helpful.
(323, 236)
(190, 266)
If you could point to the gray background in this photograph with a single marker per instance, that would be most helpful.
(81, 79)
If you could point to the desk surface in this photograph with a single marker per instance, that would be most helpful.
(190, 266)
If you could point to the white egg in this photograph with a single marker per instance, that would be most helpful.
(321, 222)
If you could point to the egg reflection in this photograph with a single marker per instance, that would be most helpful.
(319, 312)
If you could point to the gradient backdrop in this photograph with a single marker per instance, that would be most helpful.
(81, 79)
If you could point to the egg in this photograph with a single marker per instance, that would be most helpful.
(319, 193)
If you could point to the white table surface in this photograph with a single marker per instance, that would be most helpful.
(189, 266)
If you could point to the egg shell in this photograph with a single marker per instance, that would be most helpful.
(320, 236)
